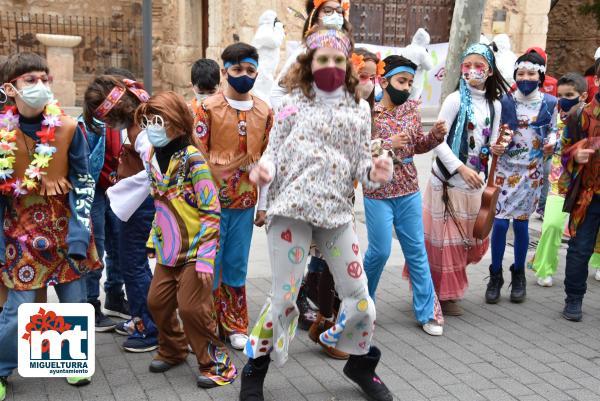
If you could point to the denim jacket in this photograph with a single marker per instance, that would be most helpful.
(97, 147)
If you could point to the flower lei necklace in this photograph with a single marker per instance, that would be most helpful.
(9, 121)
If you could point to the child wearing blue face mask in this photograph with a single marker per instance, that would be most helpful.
(572, 94)
(531, 115)
(233, 126)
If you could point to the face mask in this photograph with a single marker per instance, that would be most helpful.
(475, 77)
(329, 79)
(527, 86)
(397, 97)
(365, 90)
(156, 131)
(567, 104)
(334, 20)
(241, 84)
(36, 96)
(201, 96)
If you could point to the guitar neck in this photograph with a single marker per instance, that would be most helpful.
(492, 172)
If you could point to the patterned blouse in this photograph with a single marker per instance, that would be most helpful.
(402, 119)
(186, 225)
(318, 150)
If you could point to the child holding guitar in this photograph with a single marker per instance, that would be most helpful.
(452, 198)
(531, 114)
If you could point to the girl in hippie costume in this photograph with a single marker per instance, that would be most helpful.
(47, 194)
(322, 136)
(452, 198)
(184, 237)
(531, 115)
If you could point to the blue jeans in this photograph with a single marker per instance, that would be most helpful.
(73, 292)
(133, 259)
(106, 235)
(581, 248)
(521, 242)
(405, 215)
(231, 263)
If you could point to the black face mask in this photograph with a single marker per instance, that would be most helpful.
(397, 97)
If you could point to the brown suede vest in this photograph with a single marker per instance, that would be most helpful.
(224, 139)
(56, 181)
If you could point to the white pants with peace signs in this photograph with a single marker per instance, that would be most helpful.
(289, 241)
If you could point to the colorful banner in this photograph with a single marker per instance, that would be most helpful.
(432, 87)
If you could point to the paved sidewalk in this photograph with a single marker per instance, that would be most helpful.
(497, 352)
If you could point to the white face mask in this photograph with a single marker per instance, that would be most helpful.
(156, 131)
(35, 96)
(201, 96)
(334, 20)
(365, 90)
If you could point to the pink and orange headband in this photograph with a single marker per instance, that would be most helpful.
(116, 93)
(330, 38)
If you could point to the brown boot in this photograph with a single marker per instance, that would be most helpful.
(319, 326)
(451, 308)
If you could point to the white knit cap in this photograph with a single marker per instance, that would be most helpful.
(597, 54)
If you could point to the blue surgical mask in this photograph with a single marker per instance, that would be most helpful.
(156, 131)
(36, 96)
(201, 96)
(527, 86)
(334, 20)
(567, 104)
(242, 84)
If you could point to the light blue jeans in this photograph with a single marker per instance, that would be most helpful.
(73, 292)
(404, 214)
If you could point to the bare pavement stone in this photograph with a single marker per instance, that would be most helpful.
(494, 352)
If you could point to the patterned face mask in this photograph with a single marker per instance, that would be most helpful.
(475, 76)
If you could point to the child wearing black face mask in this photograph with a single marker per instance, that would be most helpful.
(397, 124)
(572, 93)
(234, 126)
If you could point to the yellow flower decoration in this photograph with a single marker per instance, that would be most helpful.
(29, 184)
(52, 109)
(9, 136)
(7, 162)
(41, 161)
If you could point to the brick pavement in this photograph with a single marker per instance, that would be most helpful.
(494, 352)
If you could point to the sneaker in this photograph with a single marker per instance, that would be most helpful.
(138, 342)
(433, 328)
(104, 324)
(572, 310)
(597, 275)
(238, 341)
(117, 306)
(125, 328)
(2, 387)
(545, 282)
(79, 381)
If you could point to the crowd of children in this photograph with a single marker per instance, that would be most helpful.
(140, 176)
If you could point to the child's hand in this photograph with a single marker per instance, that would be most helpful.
(470, 176)
(261, 216)
(206, 279)
(382, 170)
(582, 156)
(261, 174)
(548, 149)
(498, 149)
(439, 130)
(399, 140)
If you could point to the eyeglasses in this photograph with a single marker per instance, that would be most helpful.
(155, 121)
(330, 10)
(32, 79)
(366, 77)
(338, 60)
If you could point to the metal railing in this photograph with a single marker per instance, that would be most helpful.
(106, 42)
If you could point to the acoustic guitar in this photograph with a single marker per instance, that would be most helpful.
(489, 197)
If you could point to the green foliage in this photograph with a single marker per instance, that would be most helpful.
(592, 8)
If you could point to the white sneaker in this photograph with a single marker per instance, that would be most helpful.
(597, 276)
(238, 341)
(433, 328)
(545, 282)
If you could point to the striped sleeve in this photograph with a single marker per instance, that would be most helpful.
(209, 213)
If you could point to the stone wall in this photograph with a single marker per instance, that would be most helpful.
(572, 39)
(116, 8)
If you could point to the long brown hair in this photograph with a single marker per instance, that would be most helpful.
(301, 77)
(172, 107)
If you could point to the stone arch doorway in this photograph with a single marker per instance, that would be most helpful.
(394, 22)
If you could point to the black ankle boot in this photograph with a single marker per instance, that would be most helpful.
(492, 294)
(361, 370)
(253, 378)
(518, 284)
